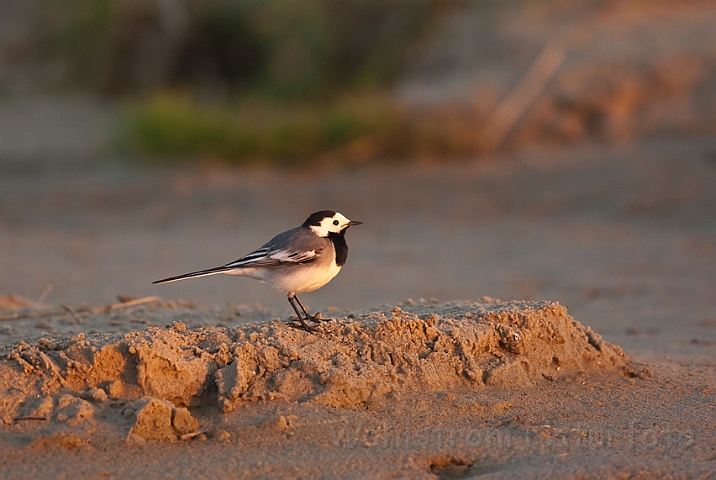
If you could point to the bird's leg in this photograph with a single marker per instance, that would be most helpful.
(303, 325)
(313, 318)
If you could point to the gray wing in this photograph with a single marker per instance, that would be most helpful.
(293, 247)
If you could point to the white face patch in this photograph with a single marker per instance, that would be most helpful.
(333, 224)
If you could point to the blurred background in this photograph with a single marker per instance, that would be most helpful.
(284, 82)
(557, 149)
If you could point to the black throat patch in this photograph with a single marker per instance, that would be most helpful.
(339, 242)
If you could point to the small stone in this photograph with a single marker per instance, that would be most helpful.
(223, 436)
(279, 423)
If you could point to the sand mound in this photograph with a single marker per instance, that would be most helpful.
(351, 361)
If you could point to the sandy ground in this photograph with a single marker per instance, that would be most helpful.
(623, 236)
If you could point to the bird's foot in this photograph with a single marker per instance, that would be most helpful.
(318, 318)
(299, 324)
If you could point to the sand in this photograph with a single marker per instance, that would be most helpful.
(422, 390)
(208, 382)
(103, 392)
(347, 363)
(623, 237)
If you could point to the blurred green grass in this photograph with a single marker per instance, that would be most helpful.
(242, 80)
(300, 80)
(286, 81)
(350, 129)
(175, 126)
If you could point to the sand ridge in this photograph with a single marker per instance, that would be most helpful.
(380, 356)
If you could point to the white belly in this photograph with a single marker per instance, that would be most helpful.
(305, 278)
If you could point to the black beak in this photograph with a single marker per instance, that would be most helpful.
(353, 223)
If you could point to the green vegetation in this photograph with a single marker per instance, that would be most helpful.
(294, 79)
(175, 126)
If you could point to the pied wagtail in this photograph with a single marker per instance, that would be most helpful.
(302, 259)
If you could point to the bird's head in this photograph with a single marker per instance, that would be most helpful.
(326, 222)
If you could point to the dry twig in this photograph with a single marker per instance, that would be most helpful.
(68, 309)
(532, 83)
(189, 436)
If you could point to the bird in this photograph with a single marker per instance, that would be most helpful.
(302, 259)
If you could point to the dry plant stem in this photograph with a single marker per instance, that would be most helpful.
(130, 303)
(44, 294)
(523, 95)
(7, 318)
(114, 306)
(189, 436)
(17, 419)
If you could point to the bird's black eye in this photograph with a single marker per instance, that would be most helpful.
(335, 222)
